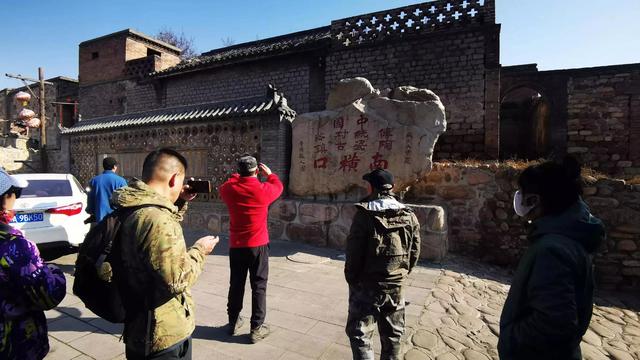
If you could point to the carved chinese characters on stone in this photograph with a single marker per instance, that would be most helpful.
(362, 131)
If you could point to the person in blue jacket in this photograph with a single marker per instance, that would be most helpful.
(102, 186)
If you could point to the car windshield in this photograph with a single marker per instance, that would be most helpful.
(47, 188)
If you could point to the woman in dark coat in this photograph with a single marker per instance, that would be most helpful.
(550, 303)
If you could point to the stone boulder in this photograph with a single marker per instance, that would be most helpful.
(363, 130)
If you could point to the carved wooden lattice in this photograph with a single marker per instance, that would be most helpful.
(415, 19)
(223, 142)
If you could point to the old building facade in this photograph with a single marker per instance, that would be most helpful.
(220, 105)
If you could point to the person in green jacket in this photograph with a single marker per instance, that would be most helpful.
(158, 270)
(550, 302)
(383, 247)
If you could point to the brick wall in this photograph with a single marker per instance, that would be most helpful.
(105, 99)
(288, 75)
(109, 64)
(112, 54)
(482, 223)
(604, 119)
(135, 49)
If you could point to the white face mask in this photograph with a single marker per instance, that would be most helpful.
(519, 205)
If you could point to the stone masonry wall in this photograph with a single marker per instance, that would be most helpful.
(319, 223)
(604, 119)
(450, 64)
(15, 149)
(482, 223)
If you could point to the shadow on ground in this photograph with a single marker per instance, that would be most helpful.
(220, 334)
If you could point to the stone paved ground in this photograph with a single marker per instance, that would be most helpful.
(453, 313)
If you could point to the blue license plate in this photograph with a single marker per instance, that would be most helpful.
(26, 218)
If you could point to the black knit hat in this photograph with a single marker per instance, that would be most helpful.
(247, 164)
(379, 179)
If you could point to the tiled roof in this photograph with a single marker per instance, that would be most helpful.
(294, 42)
(197, 112)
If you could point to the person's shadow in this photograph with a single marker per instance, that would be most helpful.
(219, 333)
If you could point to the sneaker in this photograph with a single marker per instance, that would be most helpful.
(259, 333)
(234, 326)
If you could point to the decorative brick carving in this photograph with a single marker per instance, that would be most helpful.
(407, 21)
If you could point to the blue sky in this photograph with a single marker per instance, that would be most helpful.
(556, 34)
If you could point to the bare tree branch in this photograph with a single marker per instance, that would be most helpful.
(180, 41)
(228, 41)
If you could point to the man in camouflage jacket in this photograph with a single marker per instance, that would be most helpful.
(158, 270)
(383, 246)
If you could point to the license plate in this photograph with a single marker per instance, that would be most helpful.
(26, 218)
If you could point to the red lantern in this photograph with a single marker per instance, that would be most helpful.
(33, 123)
(23, 97)
(26, 114)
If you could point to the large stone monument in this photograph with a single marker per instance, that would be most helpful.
(361, 130)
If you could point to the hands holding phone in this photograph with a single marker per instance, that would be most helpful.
(264, 169)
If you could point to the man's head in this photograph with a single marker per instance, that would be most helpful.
(109, 163)
(164, 170)
(380, 180)
(247, 166)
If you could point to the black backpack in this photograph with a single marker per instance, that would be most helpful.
(97, 267)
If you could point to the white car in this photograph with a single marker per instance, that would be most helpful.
(52, 209)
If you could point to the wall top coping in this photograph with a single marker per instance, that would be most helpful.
(273, 103)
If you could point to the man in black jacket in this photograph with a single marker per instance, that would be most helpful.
(550, 302)
(383, 246)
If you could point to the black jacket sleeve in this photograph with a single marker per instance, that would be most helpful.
(356, 247)
(552, 317)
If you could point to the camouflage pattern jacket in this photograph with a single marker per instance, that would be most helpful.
(158, 270)
(383, 244)
(27, 288)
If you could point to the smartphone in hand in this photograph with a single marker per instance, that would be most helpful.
(199, 186)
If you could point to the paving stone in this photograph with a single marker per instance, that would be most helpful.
(327, 331)
(470, 323)
(414, 354)
(69, 329)
(464, 309)
(289, 355)
(297, 342)
(441, 295)
(617, 354)
(632, 330)
(425, 339)
(615, 318)
(60, 351)
(99, 345)
(592, 338)
(471, 354)
(337, 352)
(495, 328)
(436, 307)
(450, 356)
(455, 339)
(590, 352)
(602, 330)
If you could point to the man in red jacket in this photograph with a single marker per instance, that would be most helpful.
(248, 201)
